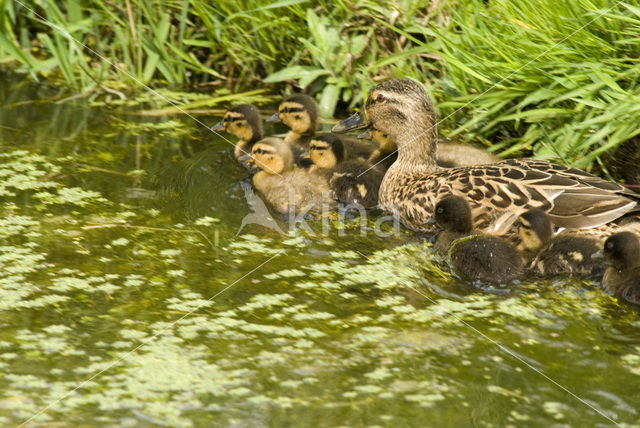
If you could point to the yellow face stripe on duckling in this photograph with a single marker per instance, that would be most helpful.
(236, 124)
(296, 117)
(267, 159)
(322, 155)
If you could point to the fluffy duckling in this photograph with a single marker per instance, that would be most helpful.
(352, 181)
(244, 122)
(622, 277)
(474, 257)
(300, 113)
(285, 187)
(453, 155)
(450, 155)
(412, 186)
(569, 252)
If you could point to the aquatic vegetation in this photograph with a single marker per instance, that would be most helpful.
(120, 310)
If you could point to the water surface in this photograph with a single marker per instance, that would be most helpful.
(128, 298)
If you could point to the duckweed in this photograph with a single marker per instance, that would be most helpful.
(119, 311)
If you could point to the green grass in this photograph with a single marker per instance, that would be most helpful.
(556, 79)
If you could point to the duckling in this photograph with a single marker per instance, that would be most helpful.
(300, 113)
(352, 181)
(453, 155)
(622, 277)
(450, 155)
(569, 252)
(244, 122)
(473, 256)
(285, 187)
(411, 187)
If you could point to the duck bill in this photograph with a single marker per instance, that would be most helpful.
(366, 135)
(218, 126)
(430, 221)
(355, 121)
(275, 117)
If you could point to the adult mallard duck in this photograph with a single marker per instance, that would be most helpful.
(300, 113)
(244, 122)
(353, 181)
(622, 277)
(474, 256)
(287, 188)
(498, 192)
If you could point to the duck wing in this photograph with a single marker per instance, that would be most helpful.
(500, 192)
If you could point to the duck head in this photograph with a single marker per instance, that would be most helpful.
(453, 214)
(622, 251)
(299, 112)
(400, 108)
(327, 150)
(272, 155)
(535, 230)
(243, 121)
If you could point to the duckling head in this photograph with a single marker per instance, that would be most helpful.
(622, 250)
(272, 155)
(299, 112)
(400, 108)
(327, 150)
(535, 230)
(243, 121)
(452, 213)
(386, 144)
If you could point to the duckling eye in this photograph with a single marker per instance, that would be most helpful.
(439, 210)
(609, 245)
(297, 116)
(258, 151)
(380, 98)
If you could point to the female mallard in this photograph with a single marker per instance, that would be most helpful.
(497, 192)
(244, 122)
(300, 113)
(473, 256)
(622, 277)
(352, 181)
(450, 155)
(285, 187)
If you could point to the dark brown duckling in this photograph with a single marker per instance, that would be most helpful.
(622, 277)
(300, 113)
(353, 181)
(572, 252)
(244, 122)
(284, 186)
(474, 257)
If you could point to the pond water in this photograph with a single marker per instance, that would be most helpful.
(128, 298)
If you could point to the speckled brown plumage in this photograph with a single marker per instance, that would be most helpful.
(497, 192)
